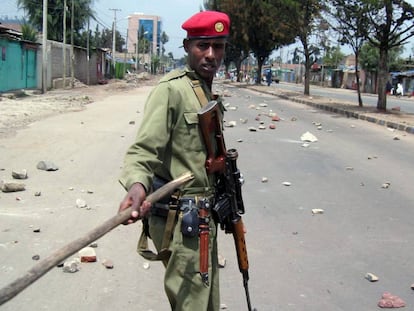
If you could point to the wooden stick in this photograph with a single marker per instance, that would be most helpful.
(41, 268)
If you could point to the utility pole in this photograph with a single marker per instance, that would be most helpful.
(114, 38)
(72, 56)
(64, 44)
(87, 54)
(44, 50)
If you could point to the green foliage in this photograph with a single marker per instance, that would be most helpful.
(29, 33)
(34, 10)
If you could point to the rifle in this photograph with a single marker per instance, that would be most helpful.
(14, 288)
(229, 205)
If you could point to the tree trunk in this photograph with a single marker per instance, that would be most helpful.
(259, 70)
(357, 81)
(382, 80)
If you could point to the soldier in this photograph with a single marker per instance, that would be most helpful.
(168, 144)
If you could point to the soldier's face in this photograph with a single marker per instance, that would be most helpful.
(205, 55)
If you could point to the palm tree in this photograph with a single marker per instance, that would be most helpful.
(34, 12)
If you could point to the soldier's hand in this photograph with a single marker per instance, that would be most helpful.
(135, 198)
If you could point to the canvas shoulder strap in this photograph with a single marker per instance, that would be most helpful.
(199, 92)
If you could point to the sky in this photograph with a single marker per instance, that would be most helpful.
(172, 12)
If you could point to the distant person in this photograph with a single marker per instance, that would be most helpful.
(400, 90)
(269, 76)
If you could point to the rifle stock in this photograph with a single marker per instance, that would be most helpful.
(229, 206)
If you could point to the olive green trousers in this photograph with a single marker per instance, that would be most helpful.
(182, 281)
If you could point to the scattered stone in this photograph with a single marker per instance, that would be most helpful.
(131, 122)
(232, 108)
(412, 286)
(262, 127)
(276, 118)
(349, 168)
(265, 179)
(240, 140)
(108, 264)
(272, 126)
(252, 129)
(371, 277)
(71, 188)
(71, 266)
(243, 121)
(36, 257)
(146, 265)
(81, 203)
(94, 245)
(221, 261)
(317, 211)
(38, 194)
(263, 105)
(20, 174)
(87, 254)
(19, 199)
(386, 185)
(46, 166)
(230, 124)
(286, 183)
(6, 186)
(305, 145)
(309, 137)
(396, 138)
(293, 119)
(36, 230)
(390, 301)
(223, 306)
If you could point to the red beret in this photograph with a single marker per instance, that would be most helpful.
(207, 24)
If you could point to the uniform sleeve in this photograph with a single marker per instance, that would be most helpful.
(146, 154)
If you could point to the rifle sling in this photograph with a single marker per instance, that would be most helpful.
(199, 92)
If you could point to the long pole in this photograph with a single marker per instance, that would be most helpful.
(42, 267)
(114, 38)
(44, 50)
(72, 54)
(136, 50)
(64, 44)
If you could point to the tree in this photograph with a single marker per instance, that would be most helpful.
(305, 15)
(268, 28)
(164, 39)
(352, 24)
(238, 49)
(29, 33)
(34, 10)
(393, 26)
(369, 61)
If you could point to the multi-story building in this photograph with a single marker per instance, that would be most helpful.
(147, 25)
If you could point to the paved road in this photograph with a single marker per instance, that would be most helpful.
(298, 261)
(406, 103)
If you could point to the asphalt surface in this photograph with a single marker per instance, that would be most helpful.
(393, 118)
(298, 261)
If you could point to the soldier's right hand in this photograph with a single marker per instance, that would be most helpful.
(135, 198)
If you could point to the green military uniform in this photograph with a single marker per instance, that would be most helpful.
(168, 144)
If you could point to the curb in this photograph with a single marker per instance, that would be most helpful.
(348, 113)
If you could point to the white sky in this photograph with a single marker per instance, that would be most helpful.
(173, 13)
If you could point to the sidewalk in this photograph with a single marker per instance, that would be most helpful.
(393, 118)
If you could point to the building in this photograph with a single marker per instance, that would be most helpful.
(150, 26)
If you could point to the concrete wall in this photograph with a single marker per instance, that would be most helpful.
(55, 65)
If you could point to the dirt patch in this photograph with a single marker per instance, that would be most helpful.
(19, 109)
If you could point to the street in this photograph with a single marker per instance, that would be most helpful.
(406, 103)
(357, 174)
